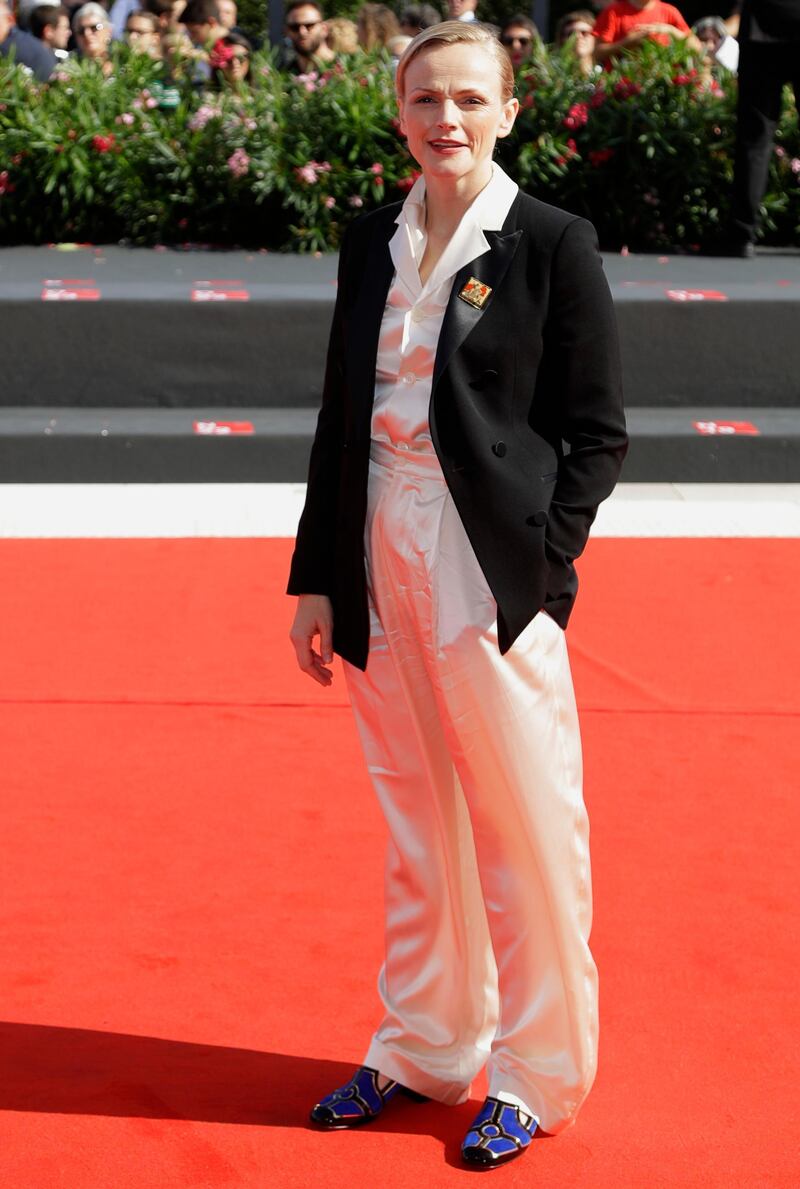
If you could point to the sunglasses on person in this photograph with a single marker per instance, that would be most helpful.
(575, 31)
(516, 40)
(87, 29)
(296, 26)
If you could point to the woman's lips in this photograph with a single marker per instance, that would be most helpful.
(446, 146)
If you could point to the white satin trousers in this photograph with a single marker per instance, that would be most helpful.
(476, 760)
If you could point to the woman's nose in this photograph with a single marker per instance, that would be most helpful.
(448, 116)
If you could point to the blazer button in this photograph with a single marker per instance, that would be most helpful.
(499, 448)
(537, 520)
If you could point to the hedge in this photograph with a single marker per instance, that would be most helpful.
(644, 151)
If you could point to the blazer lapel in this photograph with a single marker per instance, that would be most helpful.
(460, 317)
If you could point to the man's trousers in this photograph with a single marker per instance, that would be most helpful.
(476, 760)
(764, 70)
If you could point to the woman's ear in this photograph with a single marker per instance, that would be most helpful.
(510, 110)
(401, 114)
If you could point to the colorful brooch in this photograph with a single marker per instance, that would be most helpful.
(475, 293)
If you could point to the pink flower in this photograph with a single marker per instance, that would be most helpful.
(238, 163)
(376, 168)
(779, 151)
(204, 113)
(354, 200)
(330, 202)
(126, 118)
(310, 172)
(103, 144)
(795, 165)
(6, 187)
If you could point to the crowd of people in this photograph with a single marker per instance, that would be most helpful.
(42, 34)
(758, 40)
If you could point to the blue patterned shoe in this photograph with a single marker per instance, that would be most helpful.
(499, 1132)
(360, 1101)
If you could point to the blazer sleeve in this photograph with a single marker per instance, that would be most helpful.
(581, 340)
(312, 565)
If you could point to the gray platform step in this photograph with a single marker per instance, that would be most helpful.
(224, 445)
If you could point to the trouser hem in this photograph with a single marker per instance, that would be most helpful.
(408, 1073)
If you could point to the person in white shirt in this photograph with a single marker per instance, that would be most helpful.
(473, 336)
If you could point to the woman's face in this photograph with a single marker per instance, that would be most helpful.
(452, 111)
(236, 69)
(93, 37)
(519, 42)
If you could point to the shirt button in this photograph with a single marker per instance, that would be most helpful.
(402, 445)
(409, 378)
(418, 315)
(499, 449)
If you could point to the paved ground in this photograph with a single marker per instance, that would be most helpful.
(273, 509)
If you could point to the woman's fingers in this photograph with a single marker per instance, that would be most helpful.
(313, 618)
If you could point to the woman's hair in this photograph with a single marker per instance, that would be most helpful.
(420, 16)
(572, 18)
(460, 33)
(377, 24)
(342, 35)
(521, 22)
(715, 23)
(92, 12)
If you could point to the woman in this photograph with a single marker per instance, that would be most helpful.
(92, 29)
(520, 36)
(229, 60)
(377, 25)
(473, 333)
(575, 34)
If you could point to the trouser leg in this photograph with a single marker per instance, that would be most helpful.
(761, 80)
(517, 748)
(438, 982)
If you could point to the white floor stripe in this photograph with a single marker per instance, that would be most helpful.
(272, 510)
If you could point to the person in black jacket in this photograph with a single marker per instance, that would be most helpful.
(24, 49)
(769, 58)
(473, 337)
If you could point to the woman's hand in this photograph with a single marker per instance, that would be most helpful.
(314, 617)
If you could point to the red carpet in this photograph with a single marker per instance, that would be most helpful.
(188, 917)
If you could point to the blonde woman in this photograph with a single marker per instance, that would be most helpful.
(473, 336)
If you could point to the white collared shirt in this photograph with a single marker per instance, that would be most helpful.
(413, 314)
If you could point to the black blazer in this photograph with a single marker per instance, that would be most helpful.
(525, 415)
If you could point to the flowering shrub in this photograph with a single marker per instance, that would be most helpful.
(644, 151)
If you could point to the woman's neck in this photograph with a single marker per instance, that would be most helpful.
(446, 200)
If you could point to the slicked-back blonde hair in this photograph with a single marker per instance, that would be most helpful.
(459, 33)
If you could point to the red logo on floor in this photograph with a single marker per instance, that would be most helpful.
(696, 295)
(217, 290)
(726, 427)
(223, 427)
(69, 289)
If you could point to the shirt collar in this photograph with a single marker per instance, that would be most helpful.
(487, 212)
